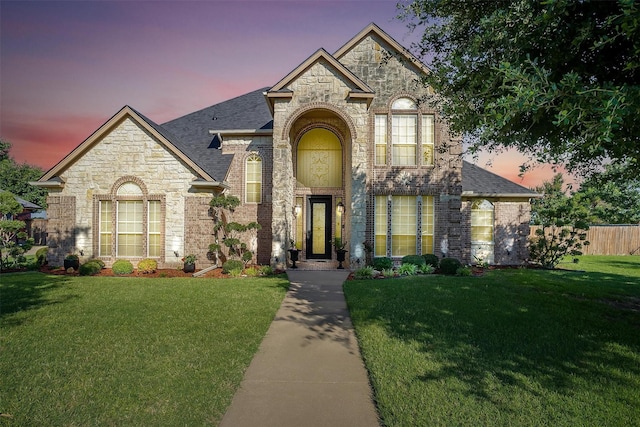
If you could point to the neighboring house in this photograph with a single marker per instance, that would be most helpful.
(342, 146)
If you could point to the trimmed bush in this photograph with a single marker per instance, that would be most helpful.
(408, 270)
(426, 269)
(463, 271)
(232, 264)
(266, 270)
(388, 272)
(97, 261)
(382, 263)
(431, 259)
(122, 266)
(364, 273)
(147, 266)
(89, 268)
(251, 272)
(236, 272)
(41, 256)
(449, 266)
(413, 259)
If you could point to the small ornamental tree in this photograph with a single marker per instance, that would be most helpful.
(563, 222)
(228, 242)
(11, 231)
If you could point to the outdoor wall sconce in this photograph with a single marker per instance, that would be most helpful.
(176, 254)
(297, 210)
(340, 208)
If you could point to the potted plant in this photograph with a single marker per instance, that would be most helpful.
(293, 253)
(340, 251)
(189, 263)
(72, 261)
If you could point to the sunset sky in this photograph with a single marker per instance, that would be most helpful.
(67, 67)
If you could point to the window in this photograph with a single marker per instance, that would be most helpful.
(402, 223)
(380, 243)
(381, 139)
(129, 223)
(427, 224)
(482, 221)
(412, 135)
(253, 179)
(404, 229)
(319, 159)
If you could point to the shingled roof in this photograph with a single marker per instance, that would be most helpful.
(477, 181)
(249, 111)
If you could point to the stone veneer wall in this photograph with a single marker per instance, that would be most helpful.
(129, 150)
(391, 77)
(61, 228)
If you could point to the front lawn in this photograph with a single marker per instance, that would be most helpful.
(512, 347)
(127, 351)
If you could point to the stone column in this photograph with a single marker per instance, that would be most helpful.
(282, 197)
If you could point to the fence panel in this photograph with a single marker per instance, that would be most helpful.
(610, 239)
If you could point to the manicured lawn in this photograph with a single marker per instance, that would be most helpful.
(513, 347)
(127, 351)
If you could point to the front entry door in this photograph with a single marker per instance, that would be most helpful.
(319, 235)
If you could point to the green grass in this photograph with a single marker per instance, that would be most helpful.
(127, 351)
(513, 347)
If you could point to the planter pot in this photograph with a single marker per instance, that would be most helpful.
(341, 254)
(71, 263)
(293, 253)
(189, 268)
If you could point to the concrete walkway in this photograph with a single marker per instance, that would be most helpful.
(308, 370)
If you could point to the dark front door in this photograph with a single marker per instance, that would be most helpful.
(319, 228)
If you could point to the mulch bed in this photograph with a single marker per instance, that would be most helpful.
(160, 273)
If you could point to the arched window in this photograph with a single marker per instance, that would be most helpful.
(482, 221)
(319, 159)
(411, 132)
(129, 223)
(253, 179)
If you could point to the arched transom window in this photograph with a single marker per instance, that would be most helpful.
(319, 159)
(409, 133)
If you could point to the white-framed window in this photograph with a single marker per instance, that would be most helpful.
(401, 224)
(253, 179)
(482, 221)
(129, 224)
(407, 133)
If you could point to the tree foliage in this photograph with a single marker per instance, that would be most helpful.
(15, 177)
(612, 197)
(556, 79)
(562, 222)
(13, 239)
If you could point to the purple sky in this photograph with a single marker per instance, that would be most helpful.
(67, 66)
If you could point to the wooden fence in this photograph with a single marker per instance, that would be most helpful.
(610, 239)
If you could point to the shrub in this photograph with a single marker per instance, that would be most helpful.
(122, 266)
(266, 270)
(463, 271)
(426, 269)
(89, 268)
(97, 261)
(147, 266)
(431, 260)
(41, 256)
(413, 259)
(382, 263)
(235, 272)
(408, 270)
(364, 273)
(449, 266)
(232, 264)
(388, 272)
(252, 272)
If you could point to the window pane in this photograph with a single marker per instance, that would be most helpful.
(130, 228)
(403, 138)
(154, 229)
(381, 139)
(319, 159)
(380, 243)
(427, 224)
(254, 179)
(482, 221)
(404, 104)
(428, 136)
(404, 228)
(105, 234)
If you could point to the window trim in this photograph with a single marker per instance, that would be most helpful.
(253, 157)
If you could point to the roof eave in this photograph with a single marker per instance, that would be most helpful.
(47, 184)
(205, 185)
(502, 195)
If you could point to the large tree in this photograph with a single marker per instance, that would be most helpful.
(15, 177)
(556, 79)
